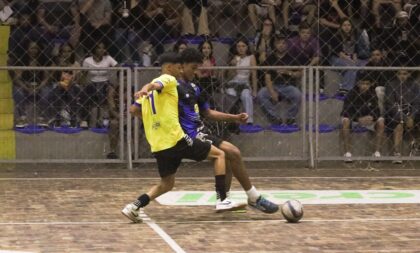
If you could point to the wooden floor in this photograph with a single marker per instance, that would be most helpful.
(56, 208)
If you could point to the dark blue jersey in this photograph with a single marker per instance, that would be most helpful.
(191, 102)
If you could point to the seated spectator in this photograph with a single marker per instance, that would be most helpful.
(65, 96)
(129, 22)
(304, 47)
(95, 92)
(21, 33)
(280, 84)
(244, 82)
(402, 107)
(349, 48)
(164, 23)
(376, 6)
(361, 108)
(95, 20)
(297, 11)
(398, 40)
(193, 9)
(31, 85)
(264, 46)
(180, 46)
(261, 8)
(58, 20)
(379, 77)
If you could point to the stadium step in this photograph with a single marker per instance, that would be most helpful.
(4, 33)
(3, 59)
(7, 145)
(6, 121)
(5, 90)
(6, 105)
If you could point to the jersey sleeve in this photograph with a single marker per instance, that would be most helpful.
(167, 81)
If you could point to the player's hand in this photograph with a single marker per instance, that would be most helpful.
(242, 117)
(141, 93)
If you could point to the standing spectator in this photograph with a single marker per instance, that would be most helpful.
(207, 78)
(264, 46)
(304, 47)
(164, 23)
(280, 84)
(31, 85)
(402, 107)
(361, 107)
(193, 9)
(65, 96)
(349, 48)
(59, 20)
(99, 81)
(244, 83)
(129, 19)
(95, 22)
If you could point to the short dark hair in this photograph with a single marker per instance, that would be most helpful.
(364, 76)
(169, 57)
(191, 55)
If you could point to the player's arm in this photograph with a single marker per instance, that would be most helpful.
(221, 116)
(147, 88)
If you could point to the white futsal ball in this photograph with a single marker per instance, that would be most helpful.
(292, 210)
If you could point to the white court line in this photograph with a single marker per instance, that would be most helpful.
(171, 242)
(191, 178)
(149, 221)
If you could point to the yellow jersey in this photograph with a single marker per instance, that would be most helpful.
(160, 114)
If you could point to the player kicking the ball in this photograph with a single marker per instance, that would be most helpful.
(158, 101)
(191, 104)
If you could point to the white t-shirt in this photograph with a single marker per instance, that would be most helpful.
(97, 76)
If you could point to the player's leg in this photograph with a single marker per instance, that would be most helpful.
(255, 199)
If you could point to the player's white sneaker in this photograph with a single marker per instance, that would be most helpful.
(228, 205)
(130, 211)
(347, 157)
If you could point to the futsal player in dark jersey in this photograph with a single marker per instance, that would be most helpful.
(191, 104)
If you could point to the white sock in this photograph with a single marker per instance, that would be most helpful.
(253, 194)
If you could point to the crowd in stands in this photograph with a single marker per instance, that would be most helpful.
(107, 33)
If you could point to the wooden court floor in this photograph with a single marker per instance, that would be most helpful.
(57, 208)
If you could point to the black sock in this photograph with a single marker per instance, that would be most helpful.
(220, 187)
(142, 201)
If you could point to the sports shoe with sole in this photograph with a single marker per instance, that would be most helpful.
(130, 211)
(264, 205)
(397, 158)
(347, 157)
(228, 205)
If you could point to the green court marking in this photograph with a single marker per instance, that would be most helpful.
(305, 196)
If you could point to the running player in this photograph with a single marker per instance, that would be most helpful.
(158, 101)
(192, 104)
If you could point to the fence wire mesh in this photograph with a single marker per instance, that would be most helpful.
(105, 33)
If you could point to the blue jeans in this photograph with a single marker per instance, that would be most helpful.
(23, 98)
(288, 92)
(349, 76)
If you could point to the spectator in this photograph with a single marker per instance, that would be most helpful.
(304, 47)
(31, 85)
(21, 33)
(164, 22)
(180, 46)
(65, 96)
(244, 83)
(261, 8)
(264, 40)
(95, 22)
(59, 20)
(349, 48)
(379, 77)
(297, 11)
(361, 108)
(193, 9)
(99, 81)
(129, 19)
(398, 41)
(377, 4)
(280, 84)
(402, 107)
(206, 77)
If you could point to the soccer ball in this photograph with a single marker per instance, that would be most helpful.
(292, 211)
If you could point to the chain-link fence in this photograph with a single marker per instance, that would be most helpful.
(251, 33)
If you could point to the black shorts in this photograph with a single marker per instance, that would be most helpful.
(213, 139)
(168, 160)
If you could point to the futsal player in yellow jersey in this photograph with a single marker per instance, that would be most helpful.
(158, 101)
